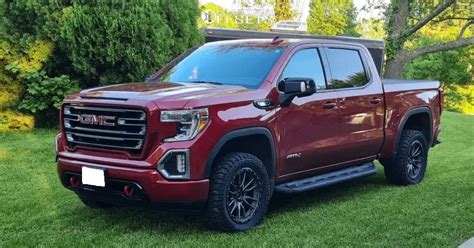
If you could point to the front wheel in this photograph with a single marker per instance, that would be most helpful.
(239, 193)
(409, 165)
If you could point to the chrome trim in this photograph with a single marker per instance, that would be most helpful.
(132, 119)
(129, 124)
(164, 173)
(102, 137)
(102, 145)
(106, 109)
(104, 131)
(116, 135)
(56, 141)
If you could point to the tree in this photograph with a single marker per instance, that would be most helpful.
(453, 68)
(371, 28)
(406, 17)
(106, 41)
(48, 46)
(332, 17)
(213, 15)
(282, 9)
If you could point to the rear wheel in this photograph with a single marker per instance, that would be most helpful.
(409, 164)
(239, 193)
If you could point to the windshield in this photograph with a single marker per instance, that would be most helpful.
(234, 64)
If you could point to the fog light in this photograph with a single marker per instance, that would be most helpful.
(181, 163)
(175, 164)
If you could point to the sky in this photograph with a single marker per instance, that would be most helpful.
(303, 7)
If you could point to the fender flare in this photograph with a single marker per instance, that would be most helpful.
(407, 116)
(238, 134)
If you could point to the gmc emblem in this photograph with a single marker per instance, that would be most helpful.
(100, 120)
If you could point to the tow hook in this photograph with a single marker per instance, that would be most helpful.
(128, 191)
(74, 182)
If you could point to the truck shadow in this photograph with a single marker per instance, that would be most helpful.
(137, 220)
(282, 203)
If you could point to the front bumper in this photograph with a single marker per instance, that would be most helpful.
(150, 187)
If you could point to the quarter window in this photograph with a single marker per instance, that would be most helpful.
(306, 63)
(347, 69)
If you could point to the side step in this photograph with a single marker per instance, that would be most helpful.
(327, 179)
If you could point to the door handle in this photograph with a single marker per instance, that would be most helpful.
(329, 105)
(375, 100)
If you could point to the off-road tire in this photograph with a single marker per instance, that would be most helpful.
(401, 169)
(95, 204)
(218, 214)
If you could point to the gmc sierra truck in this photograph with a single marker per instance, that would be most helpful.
(228, 123)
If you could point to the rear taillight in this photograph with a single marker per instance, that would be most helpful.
(441, 100)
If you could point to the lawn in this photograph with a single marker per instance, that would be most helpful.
(35, 210)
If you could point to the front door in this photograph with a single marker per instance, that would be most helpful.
(309, 126)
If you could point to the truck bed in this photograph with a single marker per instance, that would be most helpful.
(402, 97)
(395, 85)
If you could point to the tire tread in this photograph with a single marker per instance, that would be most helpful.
(215, 212)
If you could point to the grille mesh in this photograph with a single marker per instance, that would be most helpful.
(104, 127)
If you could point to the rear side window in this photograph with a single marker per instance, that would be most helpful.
(347, 69)
(306, 63)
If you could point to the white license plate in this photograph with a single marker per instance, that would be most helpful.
(94, 177)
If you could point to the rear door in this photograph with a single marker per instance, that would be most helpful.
(310, 124)
(360, 101)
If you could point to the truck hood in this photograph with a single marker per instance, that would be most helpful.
(163, 93)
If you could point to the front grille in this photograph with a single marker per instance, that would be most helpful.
(105, 127)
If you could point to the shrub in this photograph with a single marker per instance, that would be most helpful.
(55, 44)
(461, 99)
(25, 58)
(453, 68)
(106, 41)
(180, 16)
(25, 85)
(10, 120)
(21, 72)
(10, 94)
(43, 92)
(110, 42)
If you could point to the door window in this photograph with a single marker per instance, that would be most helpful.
(306, 63)
(347, 69)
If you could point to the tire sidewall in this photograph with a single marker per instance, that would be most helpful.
(262, 175)
(418, 137)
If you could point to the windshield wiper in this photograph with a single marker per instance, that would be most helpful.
(204, 82)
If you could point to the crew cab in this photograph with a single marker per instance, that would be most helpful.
(225, 125)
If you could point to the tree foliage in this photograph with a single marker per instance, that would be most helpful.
(107, 41)
(453, 68)
(123, 45)
(53, 44)
(450, 67)
(283, 11)
(332, 17)
(213, 15)
(371, 28)
(406, 18)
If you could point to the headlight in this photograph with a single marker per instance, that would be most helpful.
(190, 122)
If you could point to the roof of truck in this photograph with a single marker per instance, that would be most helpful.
(232, 34)
(280, 42)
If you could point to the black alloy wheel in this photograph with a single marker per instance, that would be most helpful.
(415, 159)
(243, 195)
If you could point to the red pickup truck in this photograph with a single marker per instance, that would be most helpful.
(225, 125)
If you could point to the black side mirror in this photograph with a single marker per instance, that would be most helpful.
(295, 87)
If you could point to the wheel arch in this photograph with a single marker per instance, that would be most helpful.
(245, 137)
(417, 119)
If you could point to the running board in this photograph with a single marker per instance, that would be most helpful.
(327, 179)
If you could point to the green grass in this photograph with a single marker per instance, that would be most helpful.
(35, 210)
